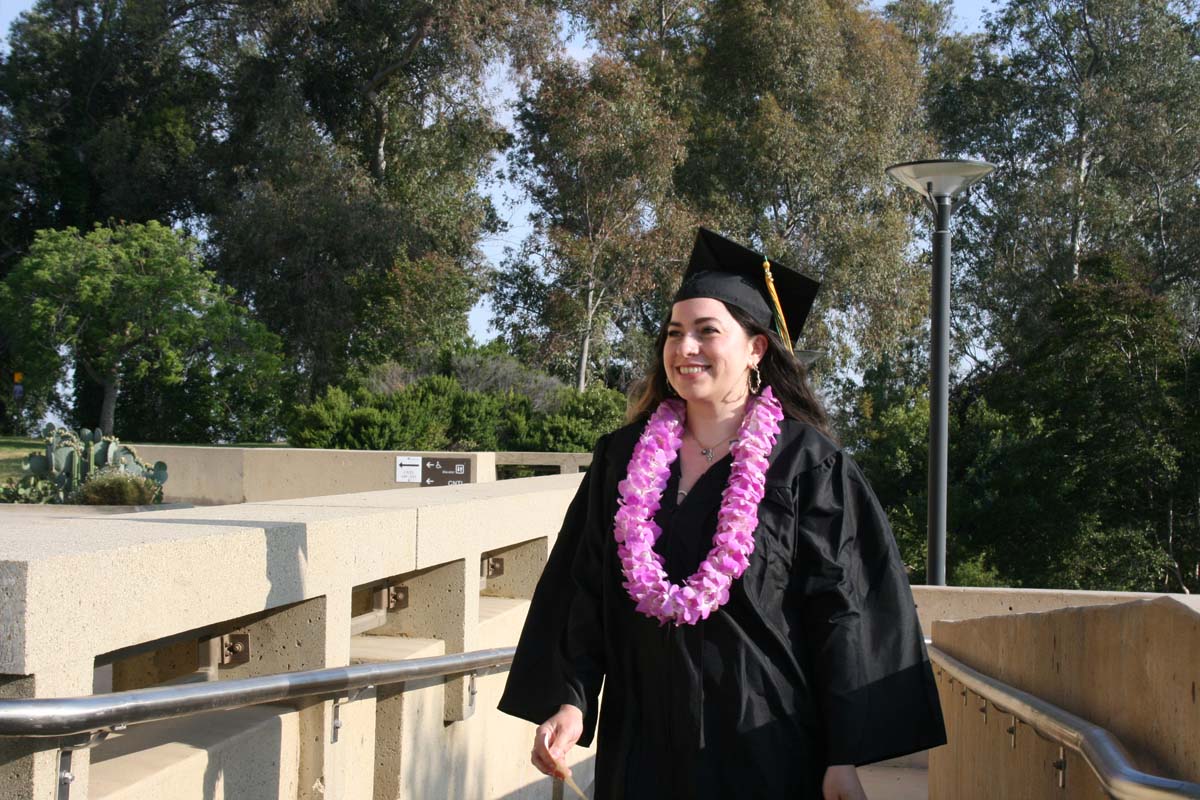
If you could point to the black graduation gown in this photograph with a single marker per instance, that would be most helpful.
(817, 658)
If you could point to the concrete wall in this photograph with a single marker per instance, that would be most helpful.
(137, 593)
(223, 475)
(1131, 668)
(968, 602)
(133, 597)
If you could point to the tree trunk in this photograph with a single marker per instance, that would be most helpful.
(108, 408)
(585, 346)
(1083, 168)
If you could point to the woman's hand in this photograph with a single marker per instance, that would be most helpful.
(841, 783)
(554, 738)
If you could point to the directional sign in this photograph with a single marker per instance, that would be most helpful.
(445, 471)
(408, 469)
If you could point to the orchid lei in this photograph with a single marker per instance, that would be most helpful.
(641, 496)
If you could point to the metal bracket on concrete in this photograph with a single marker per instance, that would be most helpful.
(1061, 766)
(235, 649)
(1011, 730)
(397, 597)
(336, 724)
(471, 690)
(494, 567)
(65, 776)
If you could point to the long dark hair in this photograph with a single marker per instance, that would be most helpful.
(783, 372)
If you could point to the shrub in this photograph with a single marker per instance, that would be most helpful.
(582, 418)
(436, 413)
(113, 487)
(29, 489)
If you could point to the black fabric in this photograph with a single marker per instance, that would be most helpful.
(817, 659)
(725, 270)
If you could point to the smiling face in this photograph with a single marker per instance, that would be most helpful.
(707, 354)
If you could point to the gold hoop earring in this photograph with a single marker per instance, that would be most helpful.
(755, 379)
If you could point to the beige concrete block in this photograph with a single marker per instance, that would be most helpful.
(201, 475)
(221, 475)
(980, 760)
(490, 518)
(498, 617)
(508, 773)
(245, 754)
(971, 602)
(1090, 661)
(154, 667)
(30, 767)
(352, 748)
(522, 567)
(443, 603)
(408, 720)
(378, 541)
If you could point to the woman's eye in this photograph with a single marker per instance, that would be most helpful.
(673, 334)
(707, 331)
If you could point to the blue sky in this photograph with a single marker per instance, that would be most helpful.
(968, 17)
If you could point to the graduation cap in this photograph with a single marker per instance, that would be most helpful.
(776, 297)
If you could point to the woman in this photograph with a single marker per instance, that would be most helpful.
(727, 574)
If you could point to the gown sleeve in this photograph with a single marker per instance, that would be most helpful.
(560, 655)
(872, 678)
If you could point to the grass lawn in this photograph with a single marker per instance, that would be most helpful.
(13, 450)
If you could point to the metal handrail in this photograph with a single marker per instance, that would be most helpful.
(1104, 754)
(103, 712)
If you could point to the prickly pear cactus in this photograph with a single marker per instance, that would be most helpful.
(69, 459)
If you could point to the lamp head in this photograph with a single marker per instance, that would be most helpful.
(940, 177)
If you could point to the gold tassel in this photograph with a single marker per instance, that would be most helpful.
(783, 329)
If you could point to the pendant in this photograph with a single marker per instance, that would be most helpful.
(707, 452)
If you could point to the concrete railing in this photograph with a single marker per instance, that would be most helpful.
(224, 475)
(1129, 669)
(567, 463)
(133, 601)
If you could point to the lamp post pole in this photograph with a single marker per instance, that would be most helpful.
(939, 182)
(939, 390)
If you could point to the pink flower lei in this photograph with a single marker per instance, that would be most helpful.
(641, 495)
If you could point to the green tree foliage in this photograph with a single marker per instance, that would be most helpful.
(595, 154)
(130, 303)
(784, 115)
(358, 138)
(331, 152)
(105, 112)
(1092, 112)
(105, 115)
(1072, 461)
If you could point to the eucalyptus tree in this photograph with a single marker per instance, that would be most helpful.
(800, 105)
(1092, 112)
(358, 140)
(595, 154)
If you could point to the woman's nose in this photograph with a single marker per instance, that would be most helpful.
(689, 345)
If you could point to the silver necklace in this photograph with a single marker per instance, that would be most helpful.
(710, 452)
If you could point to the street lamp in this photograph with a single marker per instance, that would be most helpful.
(939, 181)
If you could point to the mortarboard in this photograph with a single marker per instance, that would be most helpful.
(776, 297)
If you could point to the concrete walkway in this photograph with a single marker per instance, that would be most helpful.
(882, 782)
